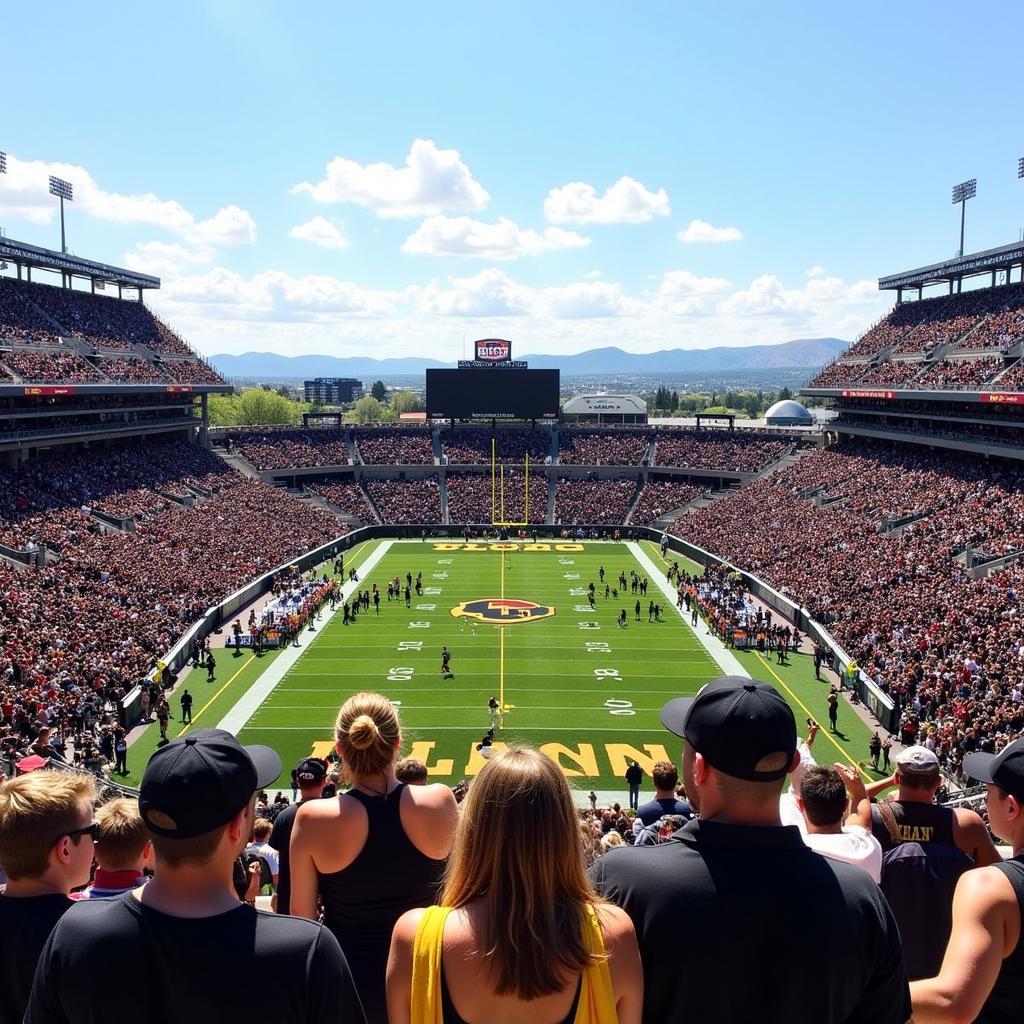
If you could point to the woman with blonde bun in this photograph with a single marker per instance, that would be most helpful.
(374, 852)
(519, 934)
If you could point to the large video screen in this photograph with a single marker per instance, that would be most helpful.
(492, 393)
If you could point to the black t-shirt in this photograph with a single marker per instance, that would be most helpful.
(117, 960)
(280, 838)
(740, 923)
(25, 925)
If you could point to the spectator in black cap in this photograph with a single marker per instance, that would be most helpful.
(743, 886)
(309, 776)
(184, 940)
(982, 974)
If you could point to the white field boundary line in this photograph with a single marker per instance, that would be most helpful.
(720, 654)
(247, 705)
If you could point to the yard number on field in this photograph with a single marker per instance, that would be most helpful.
(410, 645)
(598, 647)
(616, 706)
(400, 674)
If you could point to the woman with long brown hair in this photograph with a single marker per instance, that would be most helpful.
(374, 852)
(519, 933)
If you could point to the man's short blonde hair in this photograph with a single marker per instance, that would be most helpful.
(35, 811)
(261, 829)
(123, 835)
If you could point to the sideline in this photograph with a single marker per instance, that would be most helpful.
(710, 641)
(247, 705)
(720, 654)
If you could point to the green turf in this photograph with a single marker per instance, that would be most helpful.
(591, 707)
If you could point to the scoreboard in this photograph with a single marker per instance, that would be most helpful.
(492, 392)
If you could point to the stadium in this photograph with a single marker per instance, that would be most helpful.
(556, 581)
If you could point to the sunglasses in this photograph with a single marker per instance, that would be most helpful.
(92, 829)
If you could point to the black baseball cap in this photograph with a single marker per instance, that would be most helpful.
(1005, 769)
(311, 769)
(201, 781)
(735, 723)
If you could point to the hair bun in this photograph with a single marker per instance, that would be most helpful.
(363, 732)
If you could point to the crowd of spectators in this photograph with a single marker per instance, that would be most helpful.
(349, 498)
(54, 367)
(190, 371)
(1011, 380)
(472, 445)
(1005, 324)
(726, 450)
(603, 447)
(948, 649)
(658, 497)
(394, 447)
(406, 501)
(48, 500)
(470, 498)
(78, 633)
(838, 374)
(892, 374)
(131, 371)
(959, 374)
(288, 447)
(21, 321)
(594, 502)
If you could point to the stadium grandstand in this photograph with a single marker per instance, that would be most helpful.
(132, 533)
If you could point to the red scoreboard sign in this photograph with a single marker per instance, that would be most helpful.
(869, 394)
(50, 390)
(493, 350)
(1000, 397)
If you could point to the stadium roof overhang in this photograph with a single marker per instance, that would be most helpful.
(34, 257)
(988, 262)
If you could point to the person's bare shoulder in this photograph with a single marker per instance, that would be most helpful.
(436, 796)
(616, 924)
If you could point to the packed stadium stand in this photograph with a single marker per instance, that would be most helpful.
(660, 497)
(473, 445)
(394, 447)
(406, 501)
(286, 447)
(603, 448)
(473, 498)
(593, 501)
(348, 498)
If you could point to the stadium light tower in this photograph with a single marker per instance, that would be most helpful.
(961, 193)
(63, 190)
(3, 162)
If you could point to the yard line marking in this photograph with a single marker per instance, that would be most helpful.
(251, 700)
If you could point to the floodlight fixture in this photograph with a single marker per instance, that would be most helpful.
(3, 162)
(965, 190)
(63, 190)
(961, 193)
(1020, 167)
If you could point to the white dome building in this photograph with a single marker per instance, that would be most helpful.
(788, 413)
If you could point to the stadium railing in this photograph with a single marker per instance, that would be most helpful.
(868, 692)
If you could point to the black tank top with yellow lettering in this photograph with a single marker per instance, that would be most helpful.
(917, 822)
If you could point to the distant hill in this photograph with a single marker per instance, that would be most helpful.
(804, 353)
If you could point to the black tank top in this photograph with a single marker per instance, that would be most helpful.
(918, 823)
(1005, 1003)
(450, 1016)
(363, 901)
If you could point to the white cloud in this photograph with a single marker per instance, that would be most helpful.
(702, 231)
(768, 296)
(463, 236)
(815, 271)
(164, 258)
(625, 202)
(433, 180)
(24, 194)
(320, 231)
(683, 293)
(274, 294)
(490, 293)
(586, 300)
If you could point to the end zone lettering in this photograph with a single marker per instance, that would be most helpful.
(574, 762)
(506, 546)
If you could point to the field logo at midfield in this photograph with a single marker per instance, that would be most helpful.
(503, 611)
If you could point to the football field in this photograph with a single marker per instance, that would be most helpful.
(520, 627)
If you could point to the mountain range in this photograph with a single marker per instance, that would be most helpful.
(804, 353)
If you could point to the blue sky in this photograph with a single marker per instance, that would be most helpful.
(384, 180)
